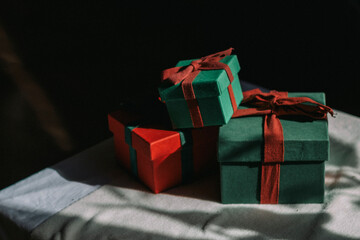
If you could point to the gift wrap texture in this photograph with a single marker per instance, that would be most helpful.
(241, 149)
(211, 91)
(159, 157)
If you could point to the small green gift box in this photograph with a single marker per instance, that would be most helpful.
(278, 158)
(202, 92)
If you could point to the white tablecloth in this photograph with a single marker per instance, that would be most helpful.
(89, 196)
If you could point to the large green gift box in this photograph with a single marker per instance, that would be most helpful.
(306, 148)
(214, 96)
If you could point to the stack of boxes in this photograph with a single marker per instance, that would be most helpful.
(202, 97)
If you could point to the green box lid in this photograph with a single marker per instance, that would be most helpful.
(207, 83)
(242, 139)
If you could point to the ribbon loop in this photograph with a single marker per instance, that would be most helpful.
(205, 63)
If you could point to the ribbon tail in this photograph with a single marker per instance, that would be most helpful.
(247, 95)
(249, 112)
(176, 75)
(218, 56)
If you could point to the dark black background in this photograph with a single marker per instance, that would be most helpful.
(89, 58)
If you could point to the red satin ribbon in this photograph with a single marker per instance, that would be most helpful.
(187, 74)
(273, 105)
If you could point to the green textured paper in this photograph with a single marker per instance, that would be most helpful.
(242, 139)
(210, 88)
(241, 144)
(300, 182)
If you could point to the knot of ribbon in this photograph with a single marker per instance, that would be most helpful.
(187, 74)
(196, 64)
(279, 104)
(273, 105)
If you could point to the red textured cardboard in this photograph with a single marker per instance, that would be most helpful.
(164, 158)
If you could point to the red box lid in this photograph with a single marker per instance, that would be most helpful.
(152, 140)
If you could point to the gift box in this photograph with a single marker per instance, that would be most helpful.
(160, 157)
(275, 152)
(202, 92)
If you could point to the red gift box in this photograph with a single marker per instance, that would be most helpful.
(160, 157)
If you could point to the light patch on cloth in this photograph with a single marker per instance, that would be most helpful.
(125, 209)
(38, 197)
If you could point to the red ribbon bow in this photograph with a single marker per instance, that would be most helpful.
(187, 74)
(272, 105)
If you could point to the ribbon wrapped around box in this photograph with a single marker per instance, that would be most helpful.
(202, 92)
(274, 149)
(160, 157)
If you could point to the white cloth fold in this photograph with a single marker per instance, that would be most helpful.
(125, 209)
